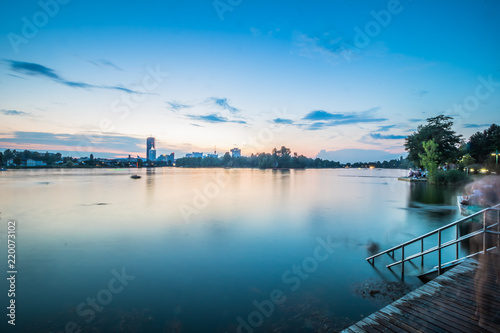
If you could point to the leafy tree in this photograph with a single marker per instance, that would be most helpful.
(465, 161)
(226, 159)
(429, 159)
(437, 129)
(69, 164)
(8, 155)
(17, 161)
(482, 144)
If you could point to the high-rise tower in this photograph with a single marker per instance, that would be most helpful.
(150, 144)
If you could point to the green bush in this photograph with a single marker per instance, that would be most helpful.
(449, 177)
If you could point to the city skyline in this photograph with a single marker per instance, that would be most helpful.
(355, 78)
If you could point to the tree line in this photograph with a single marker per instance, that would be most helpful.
(436, 145)
(280, 158)
(18, 157)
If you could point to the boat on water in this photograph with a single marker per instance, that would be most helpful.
(135, 177)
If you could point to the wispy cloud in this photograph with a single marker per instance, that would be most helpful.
(176, 106)
(89, 141)
(385, 128)
(414, 120)
(33, 69)
(14, 113)
(104, 63)
(283, 121)
(378, 136)
(215, 118)
(476, 125)
(223, 104)
(421, 93)
(327, 45)
(320, 119)
(323, 115)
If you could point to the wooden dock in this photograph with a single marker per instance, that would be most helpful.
(413, 180)
(446, 304)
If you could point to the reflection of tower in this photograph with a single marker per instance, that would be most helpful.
(150, 144)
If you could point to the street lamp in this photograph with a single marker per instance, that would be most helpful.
(496, 154)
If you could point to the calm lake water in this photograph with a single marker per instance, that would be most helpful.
(208, 250)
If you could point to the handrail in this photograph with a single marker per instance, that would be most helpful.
(430, 233)
(441, 245)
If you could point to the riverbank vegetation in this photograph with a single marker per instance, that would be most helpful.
(447, 156)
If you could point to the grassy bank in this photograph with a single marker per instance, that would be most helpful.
(450, 177)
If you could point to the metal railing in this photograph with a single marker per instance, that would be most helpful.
(486, 228)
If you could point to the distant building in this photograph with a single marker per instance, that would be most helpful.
(236, 152)
(150, 144)
(152, 154)
(214, 155)
(32, 163)
(168, 159)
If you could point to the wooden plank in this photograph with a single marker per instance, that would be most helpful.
(442, 313)
(468, 316)
(431, 317)
(366, 326)
(448, 303)
(399, 325)
(384, 325)
(407, 316)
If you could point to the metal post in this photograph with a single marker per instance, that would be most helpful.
(402, 262)
(498, 229)
(456, 237)
(484, 233)
(421, 251)
(439, 252)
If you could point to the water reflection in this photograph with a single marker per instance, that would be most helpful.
(434, 199)
(200, 275)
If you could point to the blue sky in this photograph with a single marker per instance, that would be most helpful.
(318, 76)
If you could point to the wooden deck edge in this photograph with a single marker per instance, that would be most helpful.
(413, 180)
(430, 288)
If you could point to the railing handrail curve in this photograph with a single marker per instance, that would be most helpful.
(430, 233)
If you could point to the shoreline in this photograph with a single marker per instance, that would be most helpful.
(9, 168)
